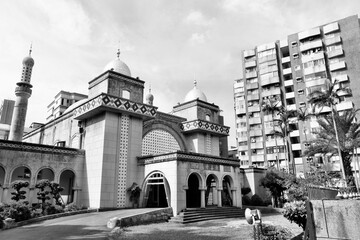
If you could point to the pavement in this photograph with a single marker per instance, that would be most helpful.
(81, 226)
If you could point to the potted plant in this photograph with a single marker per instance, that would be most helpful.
(134, 191)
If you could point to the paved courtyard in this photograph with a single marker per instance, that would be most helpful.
(93, 226)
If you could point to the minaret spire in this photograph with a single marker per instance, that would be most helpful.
(23, 92)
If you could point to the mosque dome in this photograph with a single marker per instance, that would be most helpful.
(118, 66)
(149, 97)
(28, 61)
(195, 93)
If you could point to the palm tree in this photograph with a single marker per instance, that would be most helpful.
(273, 106)
(329, 98)
(348, 132)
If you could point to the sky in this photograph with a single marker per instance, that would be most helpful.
(166, 43)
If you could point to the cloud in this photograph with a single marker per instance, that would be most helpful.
(197, 38)
(67, 20)
(197, 18)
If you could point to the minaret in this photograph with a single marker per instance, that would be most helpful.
(22, 92)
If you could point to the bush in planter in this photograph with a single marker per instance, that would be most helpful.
(51, 209)
(134, 193)
(19, 211)
(245, 190)
(72, 207)
(256, 200)
(276, 232)
(246, 200)
(295, 211)
(43, 194)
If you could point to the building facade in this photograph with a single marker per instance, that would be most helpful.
(287, 71)
(114, 138)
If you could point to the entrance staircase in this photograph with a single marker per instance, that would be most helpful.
(210, 213)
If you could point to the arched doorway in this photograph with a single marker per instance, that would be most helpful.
(157, 191)
(211, 191)
(193, 194)
(67, 179)
(226, 193)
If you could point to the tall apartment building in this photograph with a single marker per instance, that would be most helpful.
(289, 70)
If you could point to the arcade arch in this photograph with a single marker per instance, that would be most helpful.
(67, 180)
(156, 191)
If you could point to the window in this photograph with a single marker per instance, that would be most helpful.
(126, 94)
(297, 68)
(302, 104)
(294, 44)
(207, 117)
(295, 55)
(300, 91)
(298, 79)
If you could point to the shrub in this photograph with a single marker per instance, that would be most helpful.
(245, 190)
(256, 200)
(17, 186)
(72, 207)
(295, 211)
(276, 232)
(246, 200)
(51, 209)
(1, 222)
(56, 189)
(18, 211)
(43, 193)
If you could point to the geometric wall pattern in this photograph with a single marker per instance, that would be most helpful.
(208, 143)
(159, 141)
(123, 157)
(205, 126)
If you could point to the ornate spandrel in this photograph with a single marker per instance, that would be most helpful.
(106, 102)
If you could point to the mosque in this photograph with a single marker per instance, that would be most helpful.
(101, 145)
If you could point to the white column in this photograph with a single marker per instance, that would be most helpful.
(219, 197)
(214, 194)
(233, 195)
(202, 197)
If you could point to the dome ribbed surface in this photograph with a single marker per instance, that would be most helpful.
(195, 93)
(118, 66)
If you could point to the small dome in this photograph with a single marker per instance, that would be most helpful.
(118, 66)
(149, 97)
(28, 61)
(195, 93)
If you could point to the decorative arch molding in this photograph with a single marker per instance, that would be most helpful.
(57, 176)
(44, 167)
(145, 186)
(201, 179)
(157, 124)
(8, 180)
(217, 179)
(229, 177)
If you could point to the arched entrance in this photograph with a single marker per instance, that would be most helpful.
(67, 179)
(45, 173)
(193, 194)
(157, 191)
(211, 191)
(226, 193)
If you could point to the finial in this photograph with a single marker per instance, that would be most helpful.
(118, 53)
(30, 50)
(195, 82)
(149, 87)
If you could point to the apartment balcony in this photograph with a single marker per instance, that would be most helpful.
(332, 27)
(273, 143)
(251, 97)
(269, 117)
(249, 53)
(257, 158)
(240, 111)
(289, 82)
(254, 120)
(335, 53)
(344, 92)
(284, 43)
(285, 59)
(275, 156)
(254, 108)
(269, 81)
(298, 160)
(268, 69)
(314, 69)
(239, 84)
(331, 41)
(344, 105)
(341, 78)
(310, 45)
(287, 71)
(295, 133)
(313, 57)
(296, 146)
(275, 91)
(291, 107)
(317, 82)
(252, 74)
(242, 138)
(309, 33)
(289, 95)
(250, 64)
(267, 58)
(254, 133)
(257, 145)
(337, 66)
(244, 157)
(243, 148)
(252, 86)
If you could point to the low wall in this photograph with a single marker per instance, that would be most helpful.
(161, 215)
(336, 219)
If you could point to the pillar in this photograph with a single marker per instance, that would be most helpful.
(233, 196)
(202, 204)
(213, 189)
(4, 197)
(31, 194)
(219, 197)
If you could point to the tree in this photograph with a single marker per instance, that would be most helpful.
(272, 106)
(56, 189)
(273, 181)
(43, 194)
(17, 186)
(347, 131)
(329, 98)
